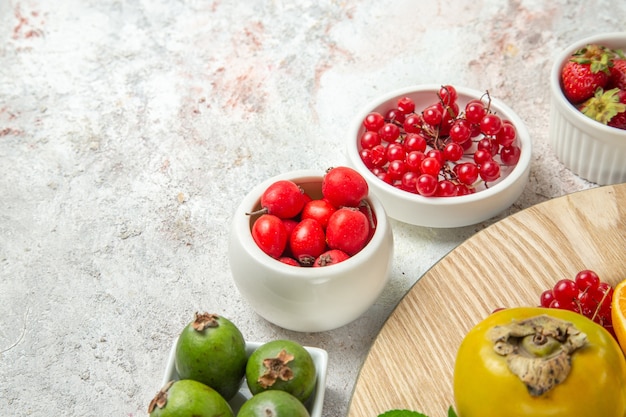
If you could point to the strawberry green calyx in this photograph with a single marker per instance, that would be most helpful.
(599, 58)
(604, 105)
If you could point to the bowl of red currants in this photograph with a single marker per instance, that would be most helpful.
(588, 108)
(441, 156)
(311, 250)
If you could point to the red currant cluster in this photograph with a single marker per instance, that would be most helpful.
(585, 294)
(439, 151)
(302, 231)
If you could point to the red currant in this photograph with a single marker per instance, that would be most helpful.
(406, 105)
(369, 139)
(565, 290)
(414, 142)
(389, 132)
(586, 280)
(433, 115)
(412, 123)
(467, 173)
(509, 155)
(374, 121)
(448, 94)
(474, 111)
(426, 185)
(490, 124)
(489, 170)
(430, 166)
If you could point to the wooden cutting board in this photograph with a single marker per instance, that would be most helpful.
(410, 364)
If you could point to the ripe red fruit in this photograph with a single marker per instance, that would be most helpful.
(283, 199)
(585, 72)
(270, 234)
(617, 78)
(289, 261)
(320, 210)
(344, 187)
(307, 241)
(348, 230)
(331, 257)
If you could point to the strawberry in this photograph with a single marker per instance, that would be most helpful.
(585, 72)
(617, 79)
(607, 107)
(619, 120)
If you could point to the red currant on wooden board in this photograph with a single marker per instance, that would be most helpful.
(585, 294)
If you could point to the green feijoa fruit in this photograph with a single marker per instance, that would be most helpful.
(273, 403)
(282, 365)
(212, 350)
(186, 397)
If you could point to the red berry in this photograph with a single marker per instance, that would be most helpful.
(433, 115)
(307, 241)
(283, 199)
(467, 173)
(446, 188)
(406, 105)
(331, 257)
(348, 230)
(431, 166)
(565, 290)
(546, 298)
(448, 94)
(270, 235)
(389, 132)
(343, 186)
(414, 142)
(617, 77)
(509, 155)
(369, 139)
(320, 210)
(289, 261)
(587, 279)
(490, 124)
(412, 123)
(489, 170)
(426, 185)
(585, 72)
(374, 121)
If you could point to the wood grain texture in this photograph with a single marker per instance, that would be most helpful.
(410, 364)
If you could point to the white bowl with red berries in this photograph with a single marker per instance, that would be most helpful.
(440, 155)
(588, 108)
(311, 250)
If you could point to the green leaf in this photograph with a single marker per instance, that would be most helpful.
(451, 412)
(402, 413)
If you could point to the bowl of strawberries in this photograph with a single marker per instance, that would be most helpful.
(588, 108)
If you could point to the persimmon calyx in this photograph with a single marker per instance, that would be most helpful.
(538, 350)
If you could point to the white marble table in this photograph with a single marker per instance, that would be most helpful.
(130, 130)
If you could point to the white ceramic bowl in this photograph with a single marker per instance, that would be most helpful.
(442, 212)
(308, 299)
(591, 150)
(314, 404)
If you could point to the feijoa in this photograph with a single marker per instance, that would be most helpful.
(273, 403)
(212, 350)
(189, 398)
(282, 365)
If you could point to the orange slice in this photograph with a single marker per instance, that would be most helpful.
(618, 313)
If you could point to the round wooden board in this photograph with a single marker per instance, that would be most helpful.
(411, 362)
